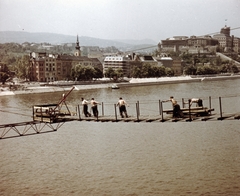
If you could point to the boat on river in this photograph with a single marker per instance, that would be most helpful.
(114, 86)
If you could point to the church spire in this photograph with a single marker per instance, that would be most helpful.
(78, 51)
(77, 44)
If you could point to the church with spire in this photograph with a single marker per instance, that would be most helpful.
(54, 67)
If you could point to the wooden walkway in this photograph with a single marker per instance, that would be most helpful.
(37, 127)
(158, 118)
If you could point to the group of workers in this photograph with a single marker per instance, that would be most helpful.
(177, 113)
(121, 104)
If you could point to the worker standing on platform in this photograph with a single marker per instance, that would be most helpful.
(94, 107)
(176, 108)
(85, 107)
(199, 102)
(122, 107)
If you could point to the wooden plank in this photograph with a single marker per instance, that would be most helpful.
(237, 116)
(225, 117)
(196, 109)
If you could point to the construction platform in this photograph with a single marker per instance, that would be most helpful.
(50, 117)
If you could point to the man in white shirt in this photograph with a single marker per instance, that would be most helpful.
(122, 107)
(85, 107)
(94, 107)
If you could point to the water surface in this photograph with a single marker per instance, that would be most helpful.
(94, 158)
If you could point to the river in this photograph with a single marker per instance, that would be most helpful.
(119, 158)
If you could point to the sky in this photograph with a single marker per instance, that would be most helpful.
(121, 19)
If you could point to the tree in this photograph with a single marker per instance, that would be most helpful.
(235, 69)
(119, 73)
(204, 70)
(4, 73)
(110, 73)
(218, 61)
(80, 72)
(136, 73)
(169, 72)
(190, 70)
(146, 71)
(98, 73)
(22, 67)
(223, 68)
(161, 71)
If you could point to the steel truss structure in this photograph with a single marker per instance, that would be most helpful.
(27, 128)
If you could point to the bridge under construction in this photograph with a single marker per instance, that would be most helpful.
(50, 117)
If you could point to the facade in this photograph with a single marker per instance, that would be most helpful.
(224, 38)
(203, 44)
(193, 44)
(226, 41)
(175, 64)
(173, 44)
(53, 67)
(236, 44)
(117, 62)
(202, 41)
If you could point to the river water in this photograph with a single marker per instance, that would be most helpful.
(119, 158)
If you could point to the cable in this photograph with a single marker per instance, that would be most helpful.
(15, 113)
(196, 36)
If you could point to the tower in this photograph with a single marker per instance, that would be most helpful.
(78, 51)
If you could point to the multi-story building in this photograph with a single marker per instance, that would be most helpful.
(198, 44)
(193, 44)
(49, 67)
(117, 62)
(173, 44)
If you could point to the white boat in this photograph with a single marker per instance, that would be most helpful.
(114, 86)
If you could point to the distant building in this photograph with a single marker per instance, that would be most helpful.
(199, 44)
(224, 38)
(53, 67)
(117, 62)
(147, 59)
(173, 44)
(193, 44)
(174, 64)
(236, 44)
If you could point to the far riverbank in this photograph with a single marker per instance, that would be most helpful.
(29, 88)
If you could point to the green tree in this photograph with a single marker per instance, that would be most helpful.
(190, 70)
(235, 69)
(223, 68)
(110, 73)
(22, 67)
(4, 73)
(204, 70)
(146, 71)
(218, 61)
(136, 73)
(161, 71)
(169, 72)
(84, 73)
(98, 73)
(119, 73)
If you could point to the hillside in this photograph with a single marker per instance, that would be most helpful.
(53, 38)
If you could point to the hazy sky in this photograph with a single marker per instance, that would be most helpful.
(121, 19)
